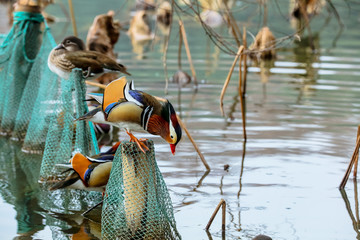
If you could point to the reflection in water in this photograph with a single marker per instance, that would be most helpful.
(26, 204)
(265, 72)
(199, 183)
(140, 47)
(80, 228)
(211, 59)
(304, 54)
(241, 170)
(19, 187)
(300, 130)
(354, 219)
(19, 174)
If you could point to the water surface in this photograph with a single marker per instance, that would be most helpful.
(302, 114)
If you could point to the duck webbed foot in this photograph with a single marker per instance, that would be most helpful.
(139, 142)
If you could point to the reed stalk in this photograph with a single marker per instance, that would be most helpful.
(179, 49)
(226, 83)
(183, 34)
(95, 84)
(194, 144)
(241, 94)
(245, 63)
(166, 47)
(72, 15)
(352, 161)
(357, 156)
(221, 204)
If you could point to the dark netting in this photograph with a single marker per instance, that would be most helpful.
(17, 55)
(39, 108)
(137, 204)
(65, 135)
(40, 93)
(32, 93)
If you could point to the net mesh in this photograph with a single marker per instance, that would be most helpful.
(137, 204)
(40, 89)
(32, 94)
(66, 136)
(39, 108)
(17, 54)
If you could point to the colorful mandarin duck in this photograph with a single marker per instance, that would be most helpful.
(134, 110)
(71, 53)
(98, 118)
(88, 173)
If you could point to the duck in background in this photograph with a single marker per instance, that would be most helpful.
(164, 17)
(182, 78)
(102, 37)
(309, 7)
(103, 34)
(71, 53)
(145, 5)
(264, 45)
(100, 125)
(140, 32)
(134, 110)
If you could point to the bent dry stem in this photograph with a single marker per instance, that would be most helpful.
(221, 204)
(226, 83)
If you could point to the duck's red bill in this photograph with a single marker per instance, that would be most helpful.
(172, 147)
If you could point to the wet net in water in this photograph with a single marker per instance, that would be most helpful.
(32, 95)
(66, 136)
(137, 204)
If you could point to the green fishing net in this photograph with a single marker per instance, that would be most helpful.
(33, 95)
(38, 97)
(39, 108)
(137, 204)
(17, 55)
(66, 136)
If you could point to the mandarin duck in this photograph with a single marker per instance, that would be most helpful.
(71, 53)
(164, 17)
(100, 125)
(139, 29)
(88, 173)
(164, 13)
(134, 110)
(103, 34)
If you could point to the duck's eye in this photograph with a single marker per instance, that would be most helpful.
(67, 41)
(171, 136)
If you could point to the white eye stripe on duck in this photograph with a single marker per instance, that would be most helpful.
(128, 96)
(132, 86)
(145, 117)
(171, 126)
